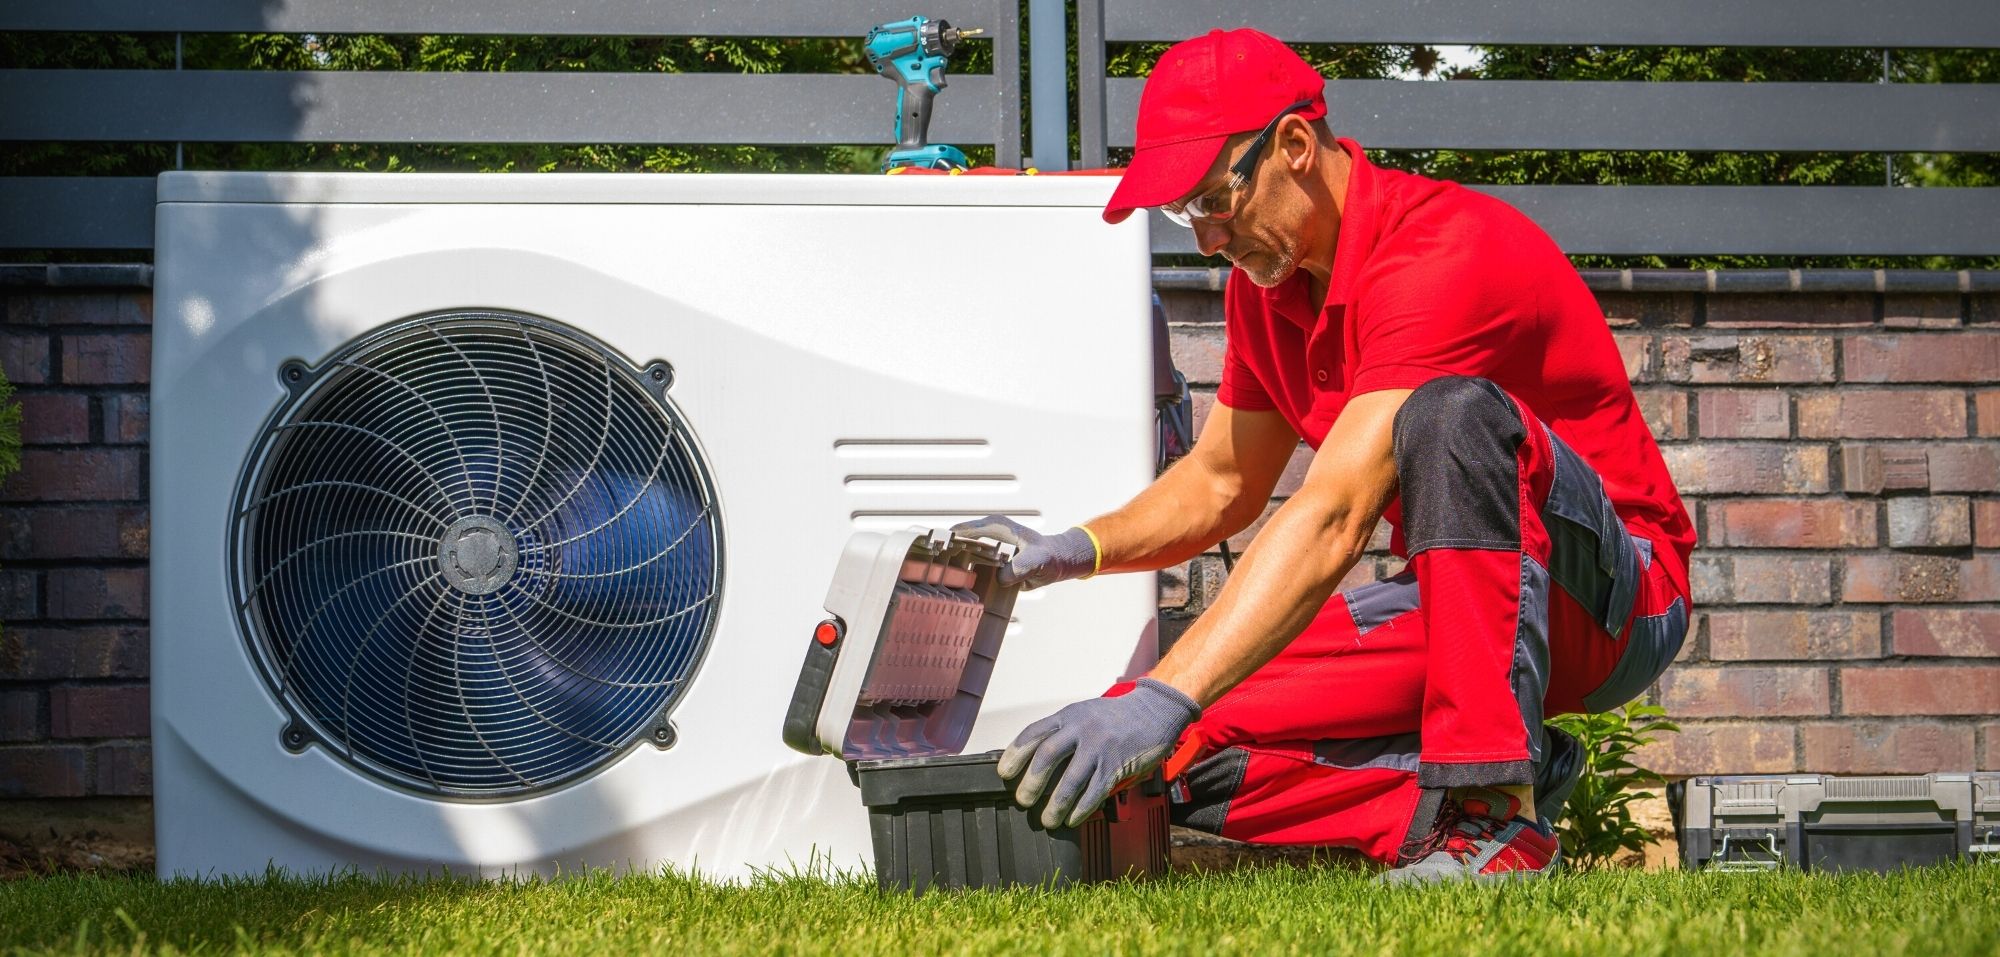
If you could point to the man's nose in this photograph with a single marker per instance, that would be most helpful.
(1210, 237)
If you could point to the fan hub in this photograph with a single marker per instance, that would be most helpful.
(477, 555)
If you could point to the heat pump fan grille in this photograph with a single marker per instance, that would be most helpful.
(477, 554)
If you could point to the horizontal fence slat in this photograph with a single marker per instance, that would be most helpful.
(1556, 115)
(1750, 220)
(1803, 23)
(779, 18)
(76, 212)
(398, 107)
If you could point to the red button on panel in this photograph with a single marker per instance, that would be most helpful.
(827, 632)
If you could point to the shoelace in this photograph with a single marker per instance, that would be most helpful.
(1453, 833)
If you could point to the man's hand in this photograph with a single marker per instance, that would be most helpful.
(1105, 740)
(1038, 559)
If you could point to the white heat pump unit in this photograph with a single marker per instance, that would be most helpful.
(492, 515)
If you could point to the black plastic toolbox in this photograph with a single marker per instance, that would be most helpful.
(951, 822)
(1833, 823)
(892, 683)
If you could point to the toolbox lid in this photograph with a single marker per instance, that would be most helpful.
(898, 667)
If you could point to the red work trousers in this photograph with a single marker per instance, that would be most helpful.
(1525, 595)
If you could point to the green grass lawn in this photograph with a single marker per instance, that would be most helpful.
(1319, 910)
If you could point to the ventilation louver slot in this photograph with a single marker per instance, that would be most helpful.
(477, 554)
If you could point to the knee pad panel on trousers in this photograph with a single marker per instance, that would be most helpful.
(1456, 443)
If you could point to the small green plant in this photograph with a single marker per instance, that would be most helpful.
(1597, 824)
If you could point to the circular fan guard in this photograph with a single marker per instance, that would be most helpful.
(477, 554)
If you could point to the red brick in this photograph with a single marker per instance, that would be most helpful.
(25, 359)
(1665, 412)
(1647, 308)
(1743, 691)
(1790, 309)
(75, 475)
(127, 418)
(123, 770)
(1704, 468)
(1947, 632)
(99, 711)
(1874, 469)
(1204, 403)
(91, 593)
(1724, 747)
(1921, 578)
(1882, 414)
(1925, 689)
(80, 308)
(1197, 352)
(55, 419)
(1744, 413)
(1885, 747)
(1761, 579)
(1983, 308)
(59, 654)
(1964, 467)
(21, 715)
(1791, 523)
(1637, 351)
(112, 359)
(1953, 357)
(1986, 408)
(20, 594)
(1294, 474)
(1793, 635)
(42, 771)
(1986, 523)
(1940, 310)
(1746, 359)
(1174, 586)
(1942, 522)
(88, 532)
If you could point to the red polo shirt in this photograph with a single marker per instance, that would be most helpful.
(1432, 279)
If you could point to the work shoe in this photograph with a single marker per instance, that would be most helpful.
(1478, 837)
(1562, 767)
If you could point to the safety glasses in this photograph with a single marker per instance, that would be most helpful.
(1214, 206)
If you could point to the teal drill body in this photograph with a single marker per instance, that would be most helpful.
(913, 53)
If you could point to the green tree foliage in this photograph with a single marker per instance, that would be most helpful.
(1597, 823)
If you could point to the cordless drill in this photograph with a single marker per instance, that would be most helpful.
(913, 53)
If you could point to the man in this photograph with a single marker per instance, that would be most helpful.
(1454, 376)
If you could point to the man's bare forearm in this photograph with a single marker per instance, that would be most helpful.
(1281, 582)
(1176, 518)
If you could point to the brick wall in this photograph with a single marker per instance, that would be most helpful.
(1838, 451)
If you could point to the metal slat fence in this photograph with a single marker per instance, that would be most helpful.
(248, 106)
(1673, 116)
(245, 106)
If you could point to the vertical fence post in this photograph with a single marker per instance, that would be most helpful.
(177, 69)
(1090, 66)
(1048, 84)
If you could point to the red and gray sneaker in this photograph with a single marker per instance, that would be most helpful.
(1477, 837)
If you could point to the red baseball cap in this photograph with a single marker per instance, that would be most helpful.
(1201, 91)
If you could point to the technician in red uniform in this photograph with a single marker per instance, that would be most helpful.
(1455, 377)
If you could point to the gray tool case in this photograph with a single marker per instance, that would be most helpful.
(892, 683)
(1823, 822)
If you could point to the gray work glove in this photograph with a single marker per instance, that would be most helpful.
(1038, 559)
(1105, 740)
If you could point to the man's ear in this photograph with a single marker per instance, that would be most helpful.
(1300, 144)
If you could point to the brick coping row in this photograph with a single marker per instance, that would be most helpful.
(1181, 278)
